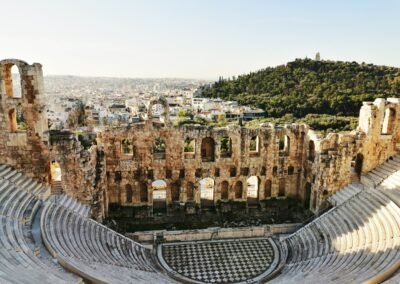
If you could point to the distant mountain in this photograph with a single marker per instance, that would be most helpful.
(308, 86)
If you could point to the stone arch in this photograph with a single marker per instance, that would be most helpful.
(224, 190)
(12, 120)
(268, 189)
(238, 189)
(162, 101)
(357, 164)
(55, 172)
(311, 151)
(252, 189)
(287, 144)
(175, 191)
(12, 86)
(143, 192)
(388, 121)
(159, 195)
(208, 149)
(275, 171)
(206, 192)
(190, 190)
(129, 193)
(282, 187)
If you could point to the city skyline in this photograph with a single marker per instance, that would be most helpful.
(196, 39)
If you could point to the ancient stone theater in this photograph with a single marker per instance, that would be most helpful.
(52, 216)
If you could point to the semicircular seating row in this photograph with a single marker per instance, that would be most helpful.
(352, 242)
(94, 251)
(20, 261)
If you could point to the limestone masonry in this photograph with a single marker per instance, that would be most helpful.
(53, 188)
(151, 163)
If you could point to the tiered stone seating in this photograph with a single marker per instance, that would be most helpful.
(95, 252)
(390, 187)
(24, 182)
(351, 243)
(19, 259)
(379, 174)
(72, 204)
(345, 193)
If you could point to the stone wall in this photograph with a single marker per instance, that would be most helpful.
(139, 168)
(214, 233)
(290, 161)
(23, 148)
(283, 161)
(83, 174)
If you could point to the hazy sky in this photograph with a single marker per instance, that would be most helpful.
(195, 38)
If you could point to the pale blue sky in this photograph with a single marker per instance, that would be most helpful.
(195, 38)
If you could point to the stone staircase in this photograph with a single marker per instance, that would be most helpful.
(56, 187)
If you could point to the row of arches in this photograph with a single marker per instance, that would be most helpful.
(208, 147)
(206, 188)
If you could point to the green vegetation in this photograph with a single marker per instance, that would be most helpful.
(319, 122)
(331, 90)
(159, 145)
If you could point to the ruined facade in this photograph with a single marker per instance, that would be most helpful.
(23, 121)
(241, 164)
(154, 164)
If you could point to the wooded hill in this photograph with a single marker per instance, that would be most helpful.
(306, 86)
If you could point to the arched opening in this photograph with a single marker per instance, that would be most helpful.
(290, 170)
(55, 171)
(207, 192)
(12, 118)
(281, 143)
(143, 192)
(159, 196)
(238, 190)
(190, 190)
(12, 78)
(268, 189)
(311, 151)
(307, 195)
(275, 171)
(129, 193)
(159, 148)
(254, 146)
(189, 148)
(175, 191)
(126, 147)
(357, 165)
(287, 144)
(252, 189)
(224, 190)
(207, 149)
(226, 147)
(388, 121)
(282, 187)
